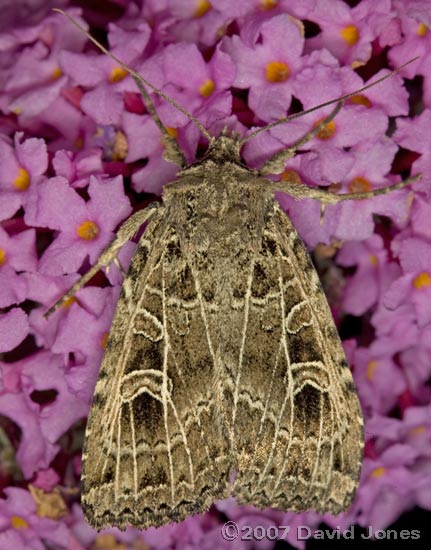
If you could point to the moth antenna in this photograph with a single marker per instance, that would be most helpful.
(325, 104)
(138, 78)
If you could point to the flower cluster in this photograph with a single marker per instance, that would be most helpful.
(79, 152)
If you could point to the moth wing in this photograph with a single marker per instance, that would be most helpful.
(155, 450)
(298, 423)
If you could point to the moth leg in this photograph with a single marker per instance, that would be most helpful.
(117, 264)
(322, 212)
(276, 164)
(109, 254)
(325, 197)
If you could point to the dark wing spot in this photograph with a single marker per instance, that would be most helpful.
(269, 246)
(173, 251)
(303, 347)
(147, 413)
(99, 400)
(260, 285)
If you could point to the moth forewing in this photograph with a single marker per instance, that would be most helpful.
(222, 357)
(154, 449)
(303, 430)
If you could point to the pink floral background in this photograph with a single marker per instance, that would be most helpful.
(79, 153)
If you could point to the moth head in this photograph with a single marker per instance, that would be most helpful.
(226, 148)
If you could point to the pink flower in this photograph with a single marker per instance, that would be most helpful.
(34, 82)
(416, 361)
(416, 43)
(396, 330)
(200, 83)
(415, 284)
(21, 168)
(372, 371)
(34, 451)
(267, 64)
(363, 288)
(85, 227)
(196, 21)
(105, 80)
(46, 479)
(413, 134)
(390, 486)
(13, 329)
(17, 254)
(21, 527)
(77, 167)
(368, 172)
(420, 216)
(348, 33)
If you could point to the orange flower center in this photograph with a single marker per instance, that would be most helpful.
(350, 34)
(18, 522)
(378, 472)
(69, 302)
(88, 230)
(2, 256)
(207, 88)
(268, 4)
(277, 71)
(422, 29)
(360, 99)
(79, 142)
(373, 260)
(327, 131)
(173, 132)
(202, 7)
(117, 74)
(56, 73)
(22, 180)
(417, 430)
(371, 367)
(291, 175)
(359, 185)
(107, 542)
(422, 280)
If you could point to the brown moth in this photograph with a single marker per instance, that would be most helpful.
(223, 360)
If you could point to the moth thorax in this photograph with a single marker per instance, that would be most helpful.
(224, 149)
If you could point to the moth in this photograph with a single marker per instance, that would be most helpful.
(223, 373)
